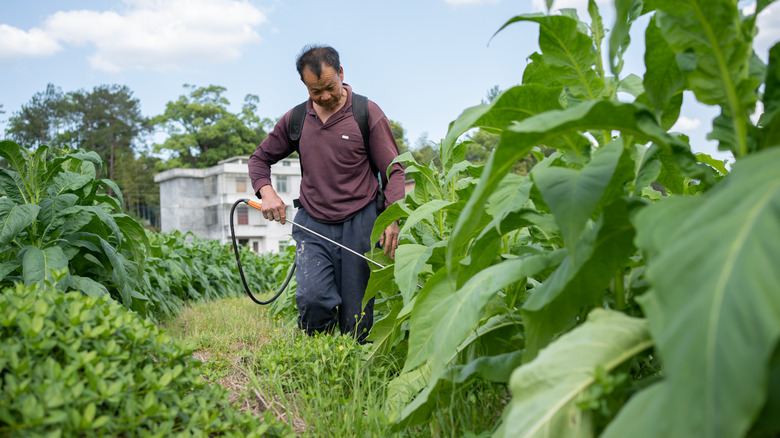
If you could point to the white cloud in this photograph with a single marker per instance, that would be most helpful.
(16, 43)
(768, 23)
(159, 34)
(685, 124)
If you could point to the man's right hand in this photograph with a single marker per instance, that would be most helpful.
(273, 207)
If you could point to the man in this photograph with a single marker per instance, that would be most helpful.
(337, 196)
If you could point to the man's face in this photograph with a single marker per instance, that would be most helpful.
(326, 90)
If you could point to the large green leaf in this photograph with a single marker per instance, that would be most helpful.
(119, 274)
(14, 218)
(579, 282)
(642, 416)
(69, 182)
(510, 195)
(490, 368)
(54, 213)
(517, 141)
(9, 267)
(713, 46)
(15, 156)
(403, 388)
(39, 265)
(12, 186)
(421, 328)
(87, 286)
(762, 4)
(456, 315)
(425, 213)
(573, 194)
(496, 370)
(663, 77)
(770, 120)
(626, 11)
(391, 214)
(544, 391)
(714, 306)
(410, 261)
(518, 103)
(463, 123)
(568, 52)
(384, 332)
(104, 219)
(513, 105)
(381, 280)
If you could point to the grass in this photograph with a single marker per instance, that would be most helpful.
(315, 386)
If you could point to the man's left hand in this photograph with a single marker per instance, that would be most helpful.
(389, 240)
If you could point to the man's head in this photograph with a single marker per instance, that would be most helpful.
(322, 74)
(314, 56)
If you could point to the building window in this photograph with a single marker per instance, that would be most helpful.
(256, 247)
(210, 186)
(286, 164)
(211, 216)
(240, 185)
(281, 184)
(243, 215)
(243, 242)
(283, 245)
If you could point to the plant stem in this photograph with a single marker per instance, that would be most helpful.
(620, 293)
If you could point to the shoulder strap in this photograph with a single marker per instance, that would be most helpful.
(360, 112)
(296, 124)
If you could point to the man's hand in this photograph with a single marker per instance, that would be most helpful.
(389, 240)
(273, 207)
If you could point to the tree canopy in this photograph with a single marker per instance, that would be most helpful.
(202, 131)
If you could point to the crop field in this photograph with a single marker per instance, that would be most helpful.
(620, 285)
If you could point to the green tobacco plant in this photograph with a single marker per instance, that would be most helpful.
(180, 268)
(622, 216)
(55, 215)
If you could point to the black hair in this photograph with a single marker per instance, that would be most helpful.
(314, 56)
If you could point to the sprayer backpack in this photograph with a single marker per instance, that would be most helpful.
(360, 112)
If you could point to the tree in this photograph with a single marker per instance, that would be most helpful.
(43, 120)
(135, 176)
(400, 136)
(491, 94)
(426, 151)
(109, 120)
(203, 132)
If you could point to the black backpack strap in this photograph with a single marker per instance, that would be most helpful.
(296, 124)
(360, 112)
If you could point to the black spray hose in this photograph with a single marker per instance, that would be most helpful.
(238, 260)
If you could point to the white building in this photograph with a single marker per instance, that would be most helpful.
(199, 200)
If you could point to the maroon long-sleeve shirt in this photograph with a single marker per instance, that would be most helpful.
(337, 180)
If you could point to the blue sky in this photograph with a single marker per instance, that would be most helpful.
(422, 61)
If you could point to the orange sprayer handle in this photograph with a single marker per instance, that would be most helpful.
(255, 205)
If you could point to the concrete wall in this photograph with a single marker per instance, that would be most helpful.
(182, 202)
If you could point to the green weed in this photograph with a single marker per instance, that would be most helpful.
(326, 385)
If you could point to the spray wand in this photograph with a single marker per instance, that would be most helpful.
(258, 206)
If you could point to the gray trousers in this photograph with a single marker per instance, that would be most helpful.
(332, 281)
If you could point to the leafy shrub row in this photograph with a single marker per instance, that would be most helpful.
(75, 365)
(56, 215)
(182, 267)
